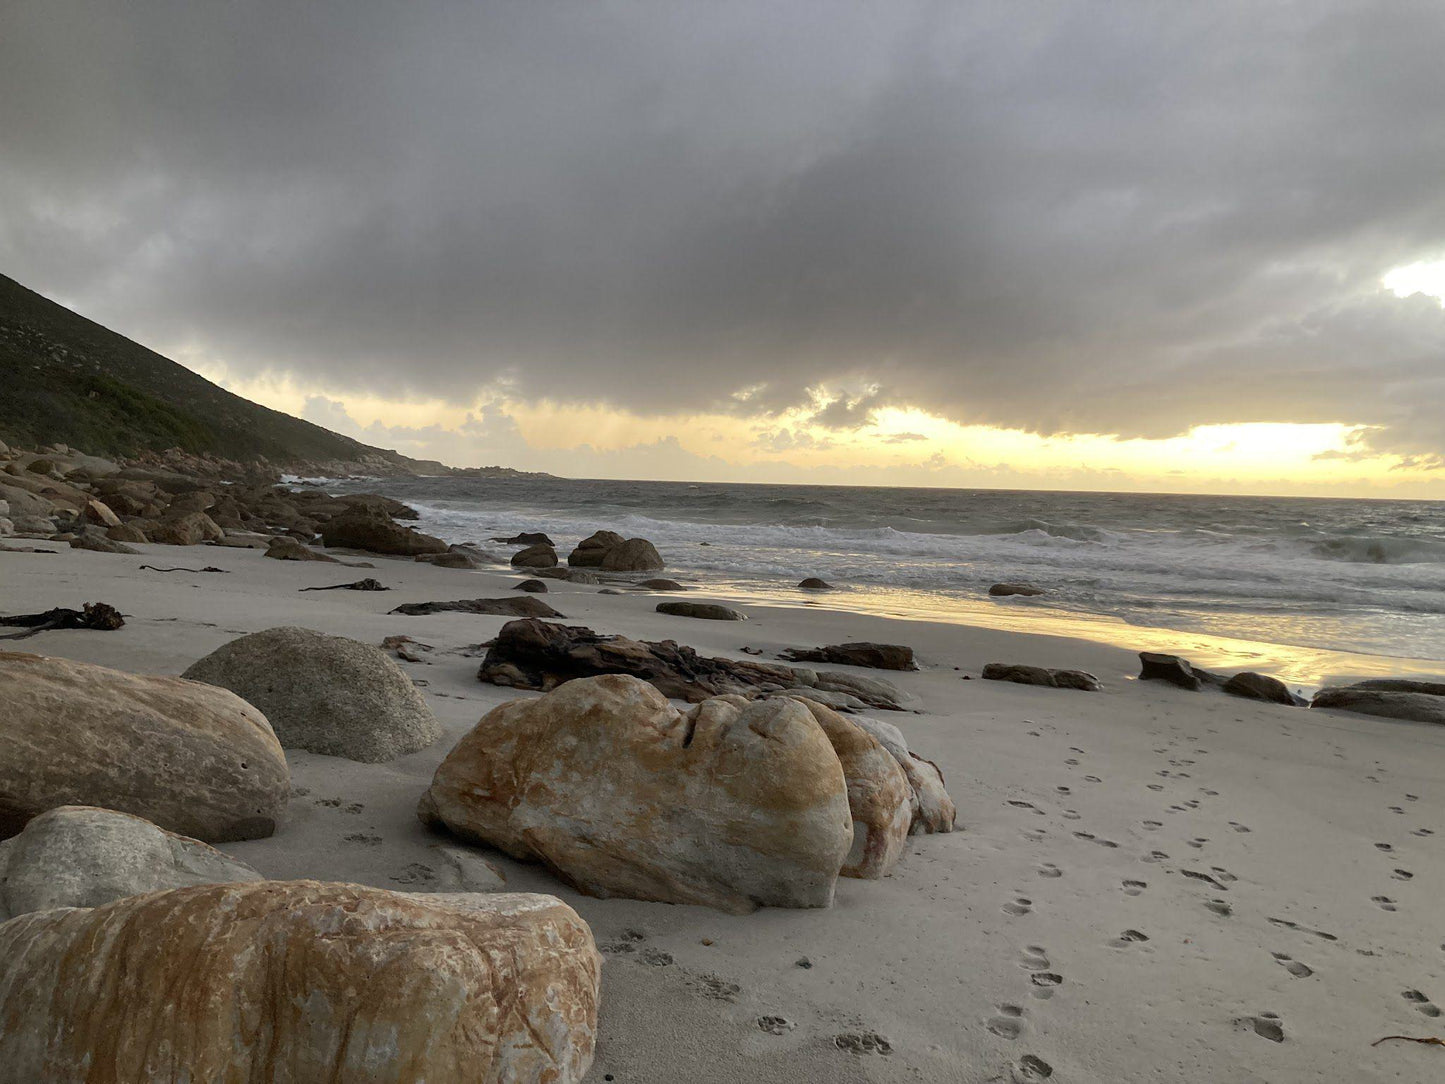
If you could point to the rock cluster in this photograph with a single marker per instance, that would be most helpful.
(1246, 683)
(731, 803)
(611, 552)
(97, 504)
(533, 654)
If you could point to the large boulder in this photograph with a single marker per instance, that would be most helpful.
(706, 611)
(1253, 686)
(1003, 590)
(283, 548)
(83, 856)
(376, 533)
(190, 529)
(296, 982)
(192, 758)
(1021, 674)
(632, 555)
(324, 694)
(1155, 666)
(879, 797)
(540, 555)
(862, 653)
(450, 559)
(590, 551)
(729, 804)
(1388, 698)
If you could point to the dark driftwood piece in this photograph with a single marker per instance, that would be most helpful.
(208, 568)
(524, 606)
(96, 615)
(367, 584)
(531, 654)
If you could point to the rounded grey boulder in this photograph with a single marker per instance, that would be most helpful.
(84, 856)
(324, 694)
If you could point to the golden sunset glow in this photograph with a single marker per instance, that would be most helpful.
(898, 447)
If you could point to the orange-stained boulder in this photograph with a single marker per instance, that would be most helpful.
(189, 757)
(731, 804)
(296, 982)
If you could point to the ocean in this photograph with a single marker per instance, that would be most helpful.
(1361, 577)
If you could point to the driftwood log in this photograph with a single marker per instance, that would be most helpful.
(531, 654)
(367, 584)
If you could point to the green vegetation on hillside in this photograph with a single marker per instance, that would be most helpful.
(65, 378)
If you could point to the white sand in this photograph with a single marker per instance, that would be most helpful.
(1080, 816)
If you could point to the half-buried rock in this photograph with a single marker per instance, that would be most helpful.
(192, 758)
(324, 694)
(1390, 698)
(730, 804)
(706, 611)
(1039, 675)
(879, 797)
(877, 656)
(295, 982)
(81, 856)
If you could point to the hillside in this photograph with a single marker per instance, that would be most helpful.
(67, 379)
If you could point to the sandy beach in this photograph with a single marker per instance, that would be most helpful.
(1145, 884)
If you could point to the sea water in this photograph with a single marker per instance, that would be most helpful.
(1339, 575)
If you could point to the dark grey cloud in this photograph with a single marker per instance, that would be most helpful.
(1067, 217)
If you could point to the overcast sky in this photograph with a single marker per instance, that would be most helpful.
(1115, 218)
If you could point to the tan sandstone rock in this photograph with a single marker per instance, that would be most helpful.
(879, 797)
(296, 983)
(731, 804)
(192, 758)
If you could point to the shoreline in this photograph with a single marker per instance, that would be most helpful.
(1149, 853)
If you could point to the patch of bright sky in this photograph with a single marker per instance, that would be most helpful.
(1424, 277)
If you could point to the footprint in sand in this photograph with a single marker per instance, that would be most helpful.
(1063, 790)
(1033, 834)
(1071, 814)
(1422, 832)
(1030, 1068)
(1008, 1023)
(1421, 1002)
(1155, 786)
(1155, 856)
(1072, 762)
(1267, 1025)
(1017, 804)
(1384, 903)
(1153, 826)
(776, 1025)
(1384, 847)
(1402, 875)
(1034, 958)
(1412, 797)
(1019, 905)
(1044, 983)
(1219, 907)
(863, 1042)
(1293, 966)
(1397, 809)
(1127, 938)
(1133, 888)
(1092, 779)
(1048, 869)
(1240, 827)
